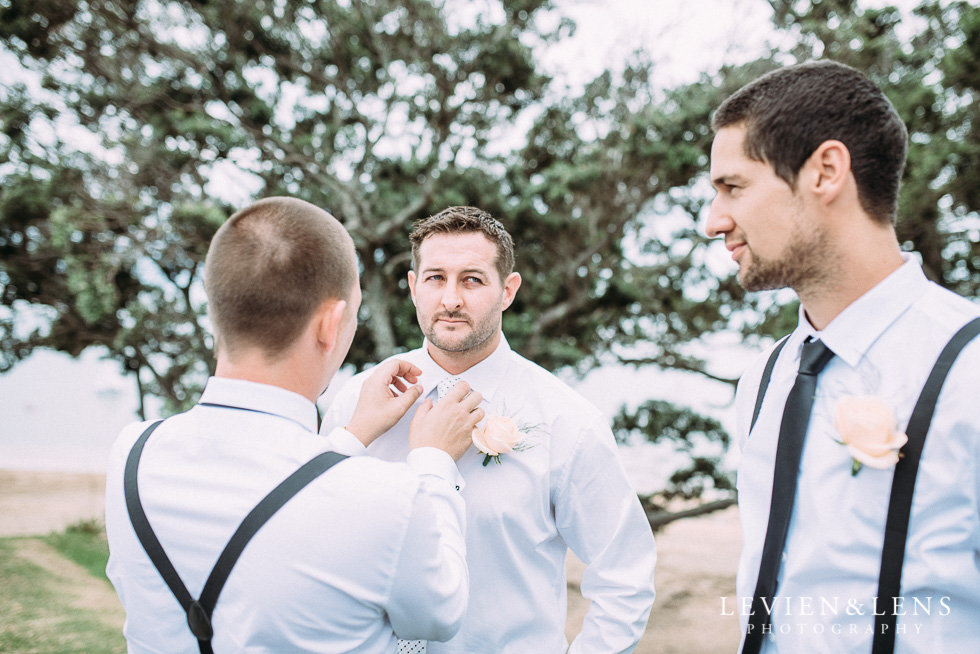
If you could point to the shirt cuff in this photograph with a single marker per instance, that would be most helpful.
(342, 441)
(433, 461)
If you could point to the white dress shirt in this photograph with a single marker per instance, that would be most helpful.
(885, 345)
(568, 489)
(368, 548)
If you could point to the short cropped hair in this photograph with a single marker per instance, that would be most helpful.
(462, 220)
(269, 267)
(789, 112)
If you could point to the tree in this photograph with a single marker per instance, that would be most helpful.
(356, 107)
(383, 112)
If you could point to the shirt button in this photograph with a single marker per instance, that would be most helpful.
(457, 488)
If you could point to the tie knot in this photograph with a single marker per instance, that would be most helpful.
(445, 385)
(814, 357)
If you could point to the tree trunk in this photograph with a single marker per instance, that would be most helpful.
(375, 300)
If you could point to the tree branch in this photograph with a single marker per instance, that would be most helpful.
(659, 519)
(678, 364)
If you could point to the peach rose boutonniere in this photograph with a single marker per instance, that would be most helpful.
(499, 435)
(868, 427)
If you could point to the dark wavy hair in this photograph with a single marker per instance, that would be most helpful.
(462, 220)
(789, 112)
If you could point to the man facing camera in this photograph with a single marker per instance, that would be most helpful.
(232, 527)
(544, 473)
(859, 483)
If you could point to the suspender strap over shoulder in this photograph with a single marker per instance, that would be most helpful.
(199, 611)
(764, 382)
(903, 482)
(903, 487)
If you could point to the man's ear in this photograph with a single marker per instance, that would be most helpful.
(411, 284)
(328, 323)
(827, 172)
(511, 284)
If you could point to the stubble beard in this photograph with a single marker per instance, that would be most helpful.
(806, 267)
(480, 333)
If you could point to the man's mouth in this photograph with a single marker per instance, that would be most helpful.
(736, 248)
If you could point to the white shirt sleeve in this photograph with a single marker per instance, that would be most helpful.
(599, 516)
(341, 407)
(343, 442)
(430, 590)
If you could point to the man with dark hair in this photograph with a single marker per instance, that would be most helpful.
(543, 474)
(239, 500)
(860, 534)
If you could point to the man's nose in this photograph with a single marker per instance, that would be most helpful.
(719, 221)
(451, 299)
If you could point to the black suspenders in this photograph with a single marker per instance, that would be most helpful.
(764, 382)
(903, 485)
(199, 611)
(903, 482)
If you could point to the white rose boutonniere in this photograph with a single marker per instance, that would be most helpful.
(499, 435)
(868, 427)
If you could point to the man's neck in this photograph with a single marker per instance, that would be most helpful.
(256, 368)
(854, 277)
(456, 363)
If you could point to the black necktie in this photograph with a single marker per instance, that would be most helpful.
(792, 431)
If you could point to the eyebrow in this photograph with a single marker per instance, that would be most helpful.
(727, 180)
(439, 269)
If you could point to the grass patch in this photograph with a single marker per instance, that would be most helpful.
(84, 543)
(40, 611)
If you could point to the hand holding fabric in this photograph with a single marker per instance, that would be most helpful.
(448, 425)
(380, 406)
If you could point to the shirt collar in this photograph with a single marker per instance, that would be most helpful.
(852, 333)
(484, 377)
(253, 396)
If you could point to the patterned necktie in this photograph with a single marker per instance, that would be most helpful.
(792, 431)
(445, 385)
(418, 646)
(411, 647)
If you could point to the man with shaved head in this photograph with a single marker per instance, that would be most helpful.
(233, 526)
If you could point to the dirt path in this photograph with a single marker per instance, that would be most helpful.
(81, 590)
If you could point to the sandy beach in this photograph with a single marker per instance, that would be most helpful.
(697, 558)
(34, 503)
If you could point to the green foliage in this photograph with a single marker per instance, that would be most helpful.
(365, 109)
(386, 99)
